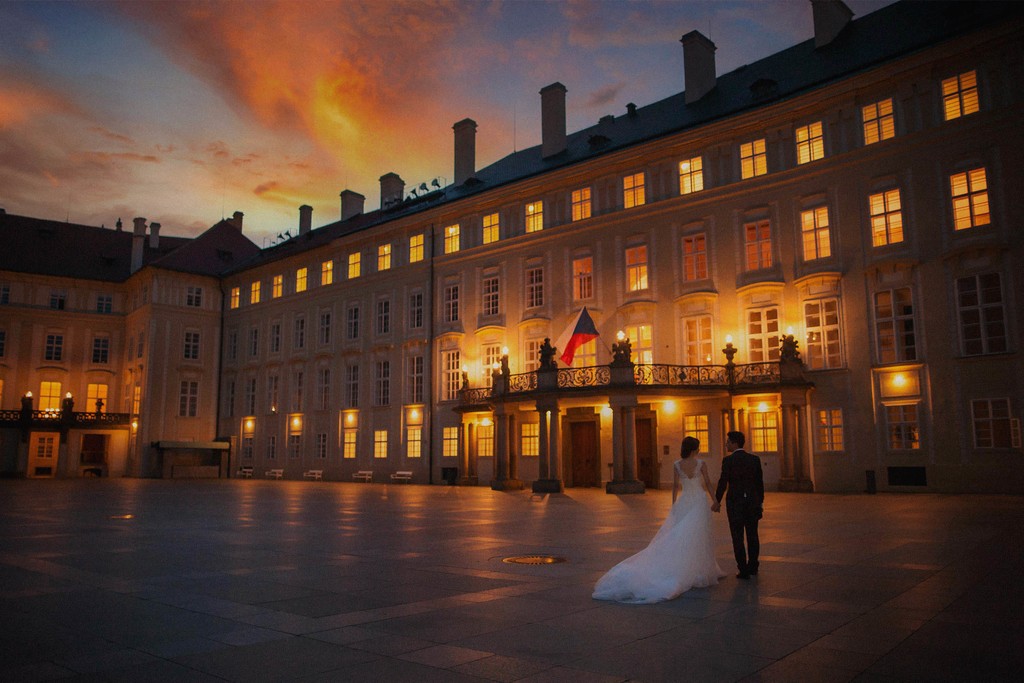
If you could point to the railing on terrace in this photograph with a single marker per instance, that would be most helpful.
(53, 419)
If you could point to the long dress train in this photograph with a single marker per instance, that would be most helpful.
(681, 555)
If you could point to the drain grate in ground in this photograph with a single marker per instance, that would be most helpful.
(534, 559)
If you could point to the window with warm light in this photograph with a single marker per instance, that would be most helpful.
(531, 355)
(451, 239)
(691, 175)
(234, 297)
(894, 325)
(757, 241)
(830, 429)
(753, 159)
(49, 396)
(415, 365)
(355, 261)
(301, 278)
(326, 273)
(810, 143)
(491, 228)
(886, 211)
(54, 347)
(490, 356)
(695, 257)
(277, 286)
(451, 383)
(636, 268)
(698, 346)
(413, 442)
(450, 308)
(763, 334)
(530, 439)
(323, 388)
(450, 442)
(980, 304)
(878, 120)
(580, 200)
(383, 257)
(969, 191)
(994, 424)
(697, 427)
(485, 440)
(534, 287)
(348, 444)
(490, 291)
(535, 216)
(582, 278)
(352, 322)
(960, 95)
(254, 292)
(633, 191)
(642, 343)
(764, 431)
(586, 355)
(824, 349)
(94, 393)
(902, 427)
(380, 443)
(188, 399)
(352, 386)
(416, 248)
(814, 229)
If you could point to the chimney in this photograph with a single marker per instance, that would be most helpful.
(552, 120)
(698, 65)
(138, 243)
(392, 188)
(236, 220)
(305, 219)
(465, 150)
(830, 18)
(154, 235)
(352, 204)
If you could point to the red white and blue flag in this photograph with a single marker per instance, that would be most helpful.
(579, 332)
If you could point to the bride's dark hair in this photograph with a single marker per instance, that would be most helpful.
(690, 445)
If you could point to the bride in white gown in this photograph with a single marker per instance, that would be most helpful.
(681, 555)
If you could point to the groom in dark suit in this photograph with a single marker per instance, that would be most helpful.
(743, 477)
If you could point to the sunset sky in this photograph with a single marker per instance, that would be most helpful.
(184, 112)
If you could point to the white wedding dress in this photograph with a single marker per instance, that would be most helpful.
(681, 555)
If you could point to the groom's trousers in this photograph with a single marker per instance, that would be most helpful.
(743, 513)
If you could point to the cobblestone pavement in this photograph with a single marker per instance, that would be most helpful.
(152, 580)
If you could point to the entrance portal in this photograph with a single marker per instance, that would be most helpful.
(647, 469)
(42, 454)
(585, 454)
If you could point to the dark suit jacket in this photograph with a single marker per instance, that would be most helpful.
(742, 476)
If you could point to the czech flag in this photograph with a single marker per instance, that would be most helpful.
(576, 335)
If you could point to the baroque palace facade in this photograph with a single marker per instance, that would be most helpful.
(820, 249)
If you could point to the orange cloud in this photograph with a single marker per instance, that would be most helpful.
(22, 101)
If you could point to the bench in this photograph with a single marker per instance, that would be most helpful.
(402, 475)
(274, 474)
(315, 475)
(365, 475)
(245, 472)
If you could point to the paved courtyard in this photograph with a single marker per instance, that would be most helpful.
(151, 580)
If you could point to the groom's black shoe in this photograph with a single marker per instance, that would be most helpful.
(752, 572)
(743, 575)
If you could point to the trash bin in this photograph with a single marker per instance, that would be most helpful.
(450, 475)
(870, 476)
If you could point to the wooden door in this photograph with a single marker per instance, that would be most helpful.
(585, 455)
(646, 453)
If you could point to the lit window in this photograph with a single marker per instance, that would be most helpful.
(763, 334)
(994, 425)
(894, 325)
(586, 355)
(491, 295)
(451, 239)
(191, 346)
(697, 427)
(534, 216)
(534, 287)
(810, 143)
(982, 315)
(451, 363)
(633, 190)
(879, 123)
(830, 429)
(354, 265)
(380, 443)
(582, 278)
(531, 355)
(94, 393)
(814, 227)
(384, 257)
(485, 440)
(235, 297)
(642, 344)
(451, 304)
(254, 292)
(491, 356)
(327, 273)
(301, 276)
(277, 286)
(348, 447)
(764, 431)
(691, 175)
(697, 341)
(450, 442)
(758, 244)
(636, 268)
(50, 396)
(188, 399)
(492, 228)
(413, 442)
(902, 427)
(824, 347)
(415, 248)
(753, 159)
(886, 218)
(970, 199)
(581, 204)
(960, 95)
(695, 257)
(530, 440)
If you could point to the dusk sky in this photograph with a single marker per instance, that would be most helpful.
(184, 112)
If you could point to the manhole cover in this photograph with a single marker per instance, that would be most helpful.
(534, 559)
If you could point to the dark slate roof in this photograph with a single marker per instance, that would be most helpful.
(894, 31)
(44, 247)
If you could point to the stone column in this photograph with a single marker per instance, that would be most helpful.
(616, 443)
(501, 481)
(629, 443)
(555, 450)
(549, 477)
(542, 444)
(513, 451)
(624, 446)
(803, 451)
